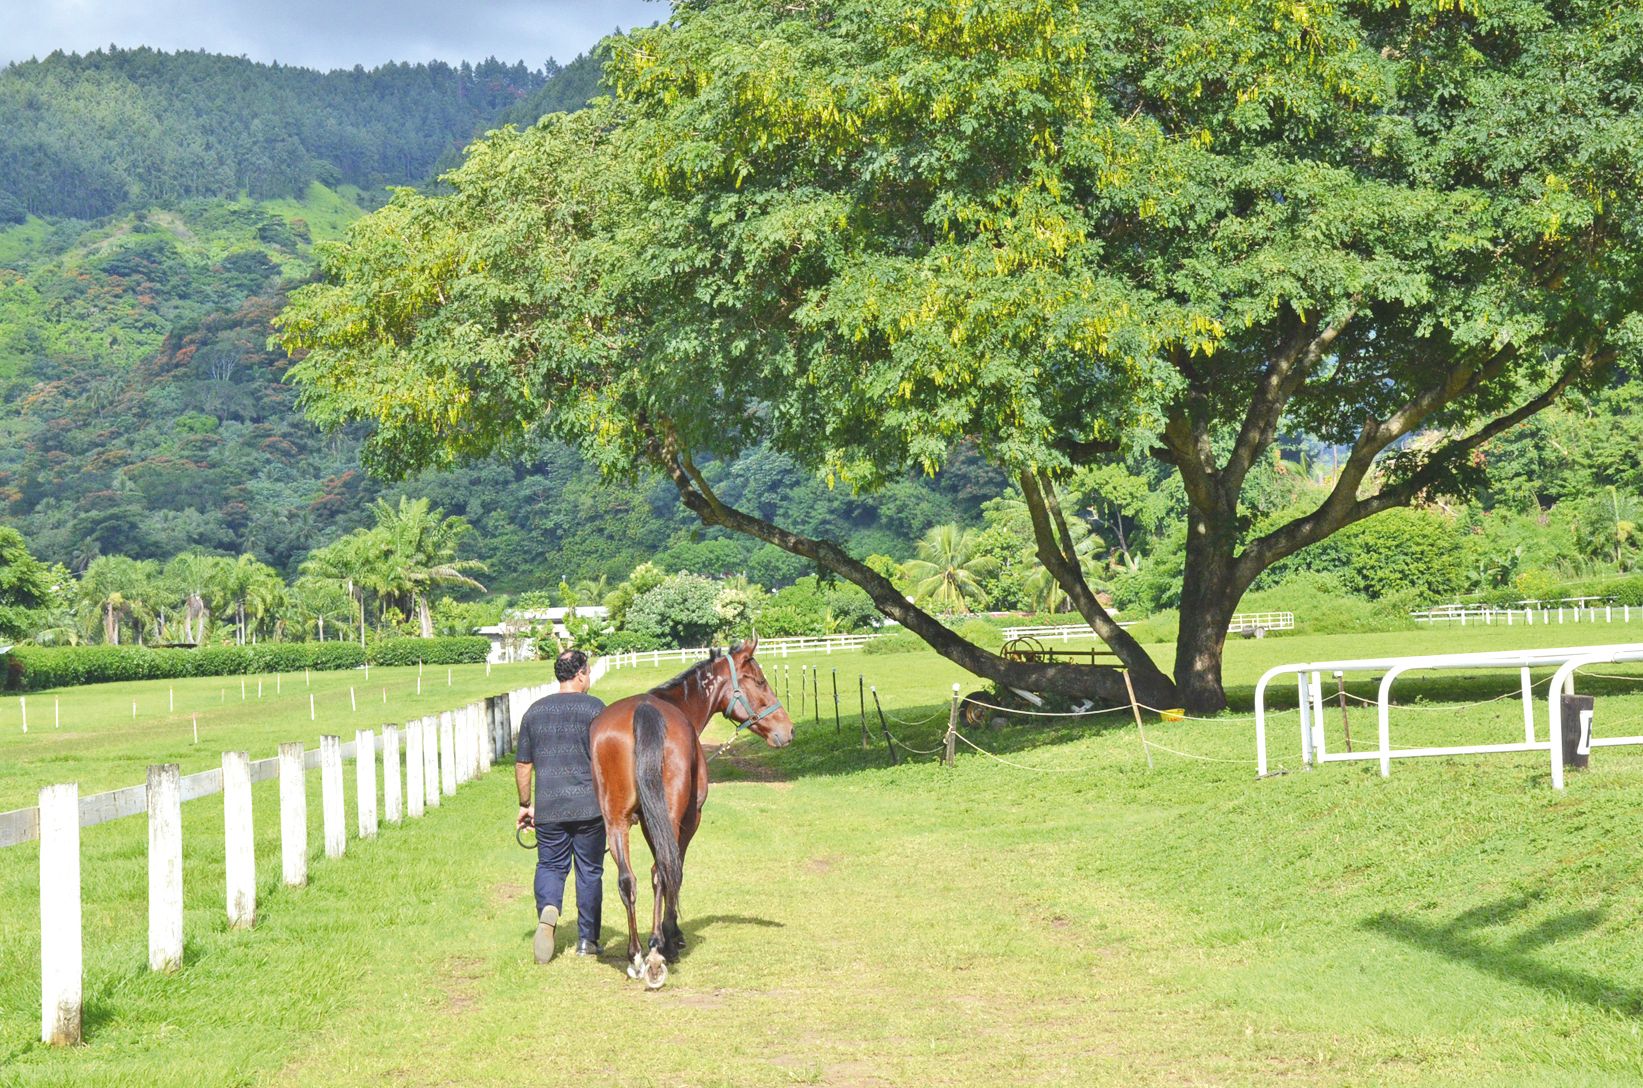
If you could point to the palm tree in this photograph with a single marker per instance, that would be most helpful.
(191, 576)
(422, 545)
(115, 589)
(250, 588)
(947, 569)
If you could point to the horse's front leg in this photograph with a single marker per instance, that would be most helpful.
(617, 833)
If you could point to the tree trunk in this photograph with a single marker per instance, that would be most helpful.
(424, 617)
(1209, 594)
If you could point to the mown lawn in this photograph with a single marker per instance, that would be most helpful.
(1088, 921)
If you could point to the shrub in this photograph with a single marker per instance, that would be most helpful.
(33, 668)
(986, 635)
(896, 642)
(680, 611)
(446, 650)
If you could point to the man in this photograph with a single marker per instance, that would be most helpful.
(553, 743)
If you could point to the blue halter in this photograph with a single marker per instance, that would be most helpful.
(737, 695)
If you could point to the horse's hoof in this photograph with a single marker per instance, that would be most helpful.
(636, 969)
(655, 972)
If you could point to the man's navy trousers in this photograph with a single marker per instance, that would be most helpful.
(556, 845)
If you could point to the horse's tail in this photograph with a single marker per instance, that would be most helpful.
(649, 744)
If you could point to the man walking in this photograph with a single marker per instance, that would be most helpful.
(553, 742)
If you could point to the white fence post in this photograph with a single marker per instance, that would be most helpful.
(61, 953)
(165, 867)
(365, 782)
(413, 769)
(293, 816)
(239, 838)
(430, 761)
(392, 809)
(447, 754)
(485, 727)
(331, 803)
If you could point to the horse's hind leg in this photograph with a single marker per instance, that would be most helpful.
(673, 938)
(625, 886)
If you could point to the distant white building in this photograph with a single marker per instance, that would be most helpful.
(513, 638)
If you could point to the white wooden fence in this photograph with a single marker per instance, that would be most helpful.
(1577, 610)
(442, 752)
(768, 648)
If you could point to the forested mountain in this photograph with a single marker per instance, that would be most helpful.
(172, 200)
(116, 129)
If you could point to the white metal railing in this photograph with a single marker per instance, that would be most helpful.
(768, 647)
(1309, 683)
(1529, 613)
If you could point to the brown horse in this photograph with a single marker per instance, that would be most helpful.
(648, 763)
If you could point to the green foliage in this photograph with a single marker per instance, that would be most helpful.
(680, 610)
(443, 650)
(1324, 606)
(35, 668)
(895, 641)
(26, 587)
(1417, 554)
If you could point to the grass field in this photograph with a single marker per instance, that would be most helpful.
(1087, 921)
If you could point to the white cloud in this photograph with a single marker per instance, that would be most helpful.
(323, 33)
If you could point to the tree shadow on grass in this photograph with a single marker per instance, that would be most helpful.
(1474, 938)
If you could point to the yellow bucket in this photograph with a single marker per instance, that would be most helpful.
(1173, 715)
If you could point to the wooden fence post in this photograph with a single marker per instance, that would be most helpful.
(165, 867)
(889, 745)
(430, 761)
(447, 754)
(861, 707)
(392, 808)
(413, 769)
(239, 839)
(293, 816)
(835, 702)
(952, 730)
(1136, 709)
(365, 782)
(61, 953)
(331, 803)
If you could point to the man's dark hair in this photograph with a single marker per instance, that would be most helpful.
(569, 663)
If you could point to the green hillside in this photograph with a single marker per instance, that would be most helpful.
(141, 410)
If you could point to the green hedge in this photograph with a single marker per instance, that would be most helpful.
(33, 668)
(447, 650)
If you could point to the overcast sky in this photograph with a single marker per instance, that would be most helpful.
(323, 33)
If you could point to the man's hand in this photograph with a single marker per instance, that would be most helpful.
(527, 817)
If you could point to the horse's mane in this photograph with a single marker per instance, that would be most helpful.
(693, 673)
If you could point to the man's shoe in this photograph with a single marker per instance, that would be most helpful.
(588, 948)
(543, 945)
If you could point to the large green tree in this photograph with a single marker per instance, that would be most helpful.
(26, 587)
(861, 231)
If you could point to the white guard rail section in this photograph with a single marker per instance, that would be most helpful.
(1563, 683)
(1309, 684)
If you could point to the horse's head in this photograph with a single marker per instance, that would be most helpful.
(751, 702)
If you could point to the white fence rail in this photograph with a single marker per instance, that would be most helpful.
(1066, 632)
(449, 748)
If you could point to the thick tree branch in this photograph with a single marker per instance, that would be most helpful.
(1059, 556)
(1075, 680)
(1278, 385)
(1343, 507)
